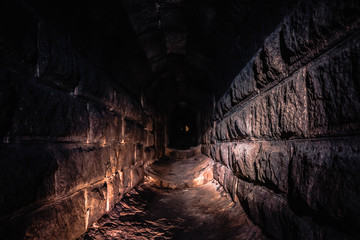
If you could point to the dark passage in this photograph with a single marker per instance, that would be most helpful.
(180, 119)
(183, 130)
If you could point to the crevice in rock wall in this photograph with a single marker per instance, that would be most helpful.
(285, 137)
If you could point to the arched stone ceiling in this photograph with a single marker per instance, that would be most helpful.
(167, 51)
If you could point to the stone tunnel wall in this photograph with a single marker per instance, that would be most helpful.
(73, 141)
(285, 136)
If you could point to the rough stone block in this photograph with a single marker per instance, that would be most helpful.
(122, 182)
(105, 127)
(243, 158)
(122, 155)
(114, 127)
(129, 131)
(239, 124)
(139, 154)
(219, 173)
(281, 112)
(27, 176)
(149, 154)
(93, 82)
(140, 136)
(213, 134)
(333, 90)
(97, 123)
(224, 153)
(214, 152)
(126, 155)
(265, 163)
(221, 131)
(57, 61)
(114, 190)
(272, 164)
(271, 212)
(127, 106)
(148, 122)
(126, 179)
(315, 25)
(218, 111)
(205, 149)
(137, 176)
(223, 105)
(64, 219)
(150, 138)
(269, 65)
(325, 179)
(230, 183)
(112, 166)
(79, 166)
(65, 115)
(235, 127)
(244, 84)
(134, 132)
(281, 49)
(96, 202)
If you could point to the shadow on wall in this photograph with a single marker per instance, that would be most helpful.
(182, 130)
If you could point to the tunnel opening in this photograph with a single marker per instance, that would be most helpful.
(182, 130)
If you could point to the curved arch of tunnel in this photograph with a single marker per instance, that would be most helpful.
(182, 127)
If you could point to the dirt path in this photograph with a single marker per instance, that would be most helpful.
(152, 212)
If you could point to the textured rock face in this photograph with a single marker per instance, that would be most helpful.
(329, 185)
(285, 137)
(285, 134)
(73, 140)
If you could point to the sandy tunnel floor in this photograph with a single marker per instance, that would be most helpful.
(153, 212)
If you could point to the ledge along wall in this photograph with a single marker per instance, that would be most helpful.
(285, 135)
(73, 141)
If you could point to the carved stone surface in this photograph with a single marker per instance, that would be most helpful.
(285, 137)
(72, 139)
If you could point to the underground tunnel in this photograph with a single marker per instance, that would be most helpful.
(182, 128)
(178, 119)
